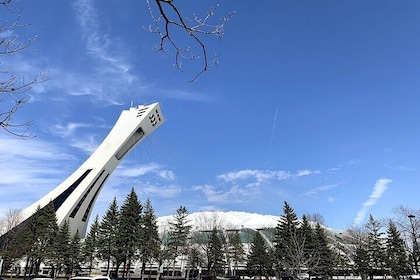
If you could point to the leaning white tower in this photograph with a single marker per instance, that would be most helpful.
(75, 197)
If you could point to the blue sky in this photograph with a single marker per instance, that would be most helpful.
(313, 102)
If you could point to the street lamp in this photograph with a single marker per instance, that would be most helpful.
(415, 245)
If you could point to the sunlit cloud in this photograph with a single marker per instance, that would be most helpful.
(378, 190)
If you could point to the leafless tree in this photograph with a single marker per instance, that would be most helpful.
(407, 220)
(297, 260)
(354, 237)
(14, 86)
(12, 217)
(316, 218)
(169, 16)
(207, 221)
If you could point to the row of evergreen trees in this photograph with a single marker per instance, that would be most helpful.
(130, 234)
(300, 247)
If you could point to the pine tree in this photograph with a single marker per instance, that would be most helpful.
(179, 235)
(361, 260)
(325, 256)
(108, 230)
(61, 256)
(130, 224)
(236, 250)
(75, 253)
(90, 247)
(375, 248)
(309, 242)
(215, 259)
(40, 230)
(259, 259)
(150, 241)
(289, 248)
(397, 260)
(358, 251)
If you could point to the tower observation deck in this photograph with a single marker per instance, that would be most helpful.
(75, 197)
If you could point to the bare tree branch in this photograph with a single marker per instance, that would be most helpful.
(194, 28)
(13, 86)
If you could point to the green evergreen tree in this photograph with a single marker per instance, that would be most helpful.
(236, 251)
(179, 235)
(375, 248)
(150, 242)
(289, 247)
(40, 230)
(259, 259)
(358, 251)
(107, 239)
(215, 259)
(75, 254)
(309, 242)
(397, 260)
(129, 230)
(325, 256)
(61, 255)
(361, 261)
(90, 247)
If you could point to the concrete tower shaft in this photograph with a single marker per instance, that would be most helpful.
(75, 197)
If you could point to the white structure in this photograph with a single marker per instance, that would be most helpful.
(74, 198)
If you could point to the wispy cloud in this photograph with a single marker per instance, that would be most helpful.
(378, 190)
(235, 193)
(30, 169)
(87, 143)
(167, 191)
(111, 58)
(321, 189)
(306, 172)
(244, 185)
(150, 168)
(401, 167)
(68, 129)
(259, 176)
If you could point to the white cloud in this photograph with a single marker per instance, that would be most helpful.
(306, 172)
(166, 174)
(235, 193)
(111, 59)
(321, 189)
(141, 170)
(259, 176)
(16, 148)
(30, 168)
(68, 129)
(161, 191)
(378, 190)
(87, 144)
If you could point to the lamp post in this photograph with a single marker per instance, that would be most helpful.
(415, 245)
